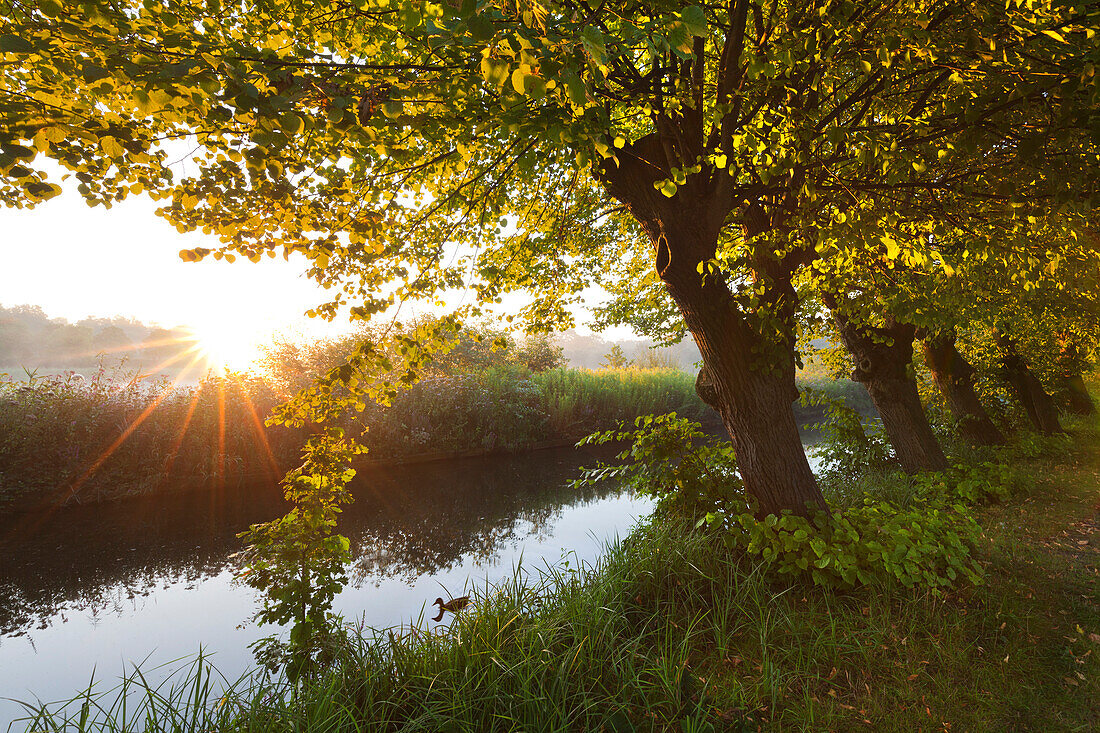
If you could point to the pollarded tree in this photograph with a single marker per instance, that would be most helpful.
(1028, 302)
(419, 147)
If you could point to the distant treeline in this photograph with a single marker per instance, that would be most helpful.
(30, 338)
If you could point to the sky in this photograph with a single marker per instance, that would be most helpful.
(77, 261)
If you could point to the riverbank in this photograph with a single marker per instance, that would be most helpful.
(669, 630)
(76, 440)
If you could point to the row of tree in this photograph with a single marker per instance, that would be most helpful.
(912, 165)
(30, 338)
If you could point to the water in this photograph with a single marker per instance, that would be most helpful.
(151, 581)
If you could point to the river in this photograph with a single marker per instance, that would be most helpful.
(151, 581)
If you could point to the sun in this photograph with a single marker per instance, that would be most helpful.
(228, 346)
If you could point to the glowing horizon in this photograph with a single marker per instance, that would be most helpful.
(79, 262)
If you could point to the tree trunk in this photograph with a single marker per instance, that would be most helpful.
(955, 377)
(882, 357)
(755, 403)
(1074, 391)
(1078, 400)
(748, 357)
(1029, 390)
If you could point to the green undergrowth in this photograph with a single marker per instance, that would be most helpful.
(671, 630)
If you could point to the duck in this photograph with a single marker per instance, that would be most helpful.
(454, 606)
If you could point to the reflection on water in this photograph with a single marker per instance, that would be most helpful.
(106, 586)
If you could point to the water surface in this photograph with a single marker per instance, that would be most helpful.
(103, 587)
(100, 588)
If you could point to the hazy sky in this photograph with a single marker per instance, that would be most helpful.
(77, 261)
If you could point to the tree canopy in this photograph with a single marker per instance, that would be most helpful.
(413, 149)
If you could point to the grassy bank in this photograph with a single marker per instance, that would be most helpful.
(71, 438)
(671, 631)
(111, 435)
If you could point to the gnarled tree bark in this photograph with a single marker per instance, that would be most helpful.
(1070, 362)
(748, 357)
(882, 357)
(955, 377)
(1029, 390)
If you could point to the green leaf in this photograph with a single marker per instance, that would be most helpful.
(694, 20)
(593, 41)
(15, 44)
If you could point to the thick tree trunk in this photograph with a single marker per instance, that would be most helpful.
(955, 377)
(755, 403)
(1074, 391)
(1029, 390)
(882, 357)
(748, 357)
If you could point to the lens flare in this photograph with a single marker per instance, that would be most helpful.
(228, 346)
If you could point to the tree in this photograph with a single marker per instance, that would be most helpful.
(615, 359)
(735, 139)
(112, 340)
(539, 353)
(954, 376)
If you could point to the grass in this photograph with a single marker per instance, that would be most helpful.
(70, 439)
(668, 631)
(67, 438)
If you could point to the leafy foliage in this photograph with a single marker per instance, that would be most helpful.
(850, 445)
(298, 560)
(615, 359)
(667, 458)
(930, 544)
(929, 547)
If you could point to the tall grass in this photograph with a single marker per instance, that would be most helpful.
(86, 439)
(579, 401)
(77, 439)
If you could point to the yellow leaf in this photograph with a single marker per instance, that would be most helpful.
(893, 249)
(111, 147)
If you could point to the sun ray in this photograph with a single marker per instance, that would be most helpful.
(219, 469)
(118, 442)
(261, 434)
(174, 452)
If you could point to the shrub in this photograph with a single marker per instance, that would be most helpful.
(931, 547)
(929, 544)
(850, 446)
(666, 458)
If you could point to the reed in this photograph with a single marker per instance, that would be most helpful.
(71, 439)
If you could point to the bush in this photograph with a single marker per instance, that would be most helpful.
(666, 458)
(929, 544)
(930, 547)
